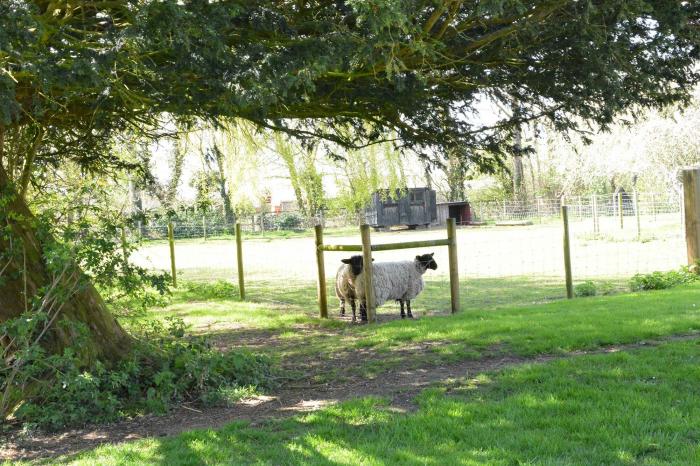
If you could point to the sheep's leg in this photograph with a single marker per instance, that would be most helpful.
(363, 310)
(408, 308)
(342, 306)
(403, 316)
(352, 305)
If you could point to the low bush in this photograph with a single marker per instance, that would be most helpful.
(587, 288)
(164, 368)
(288, 221)
(220, 289)
(662, 280)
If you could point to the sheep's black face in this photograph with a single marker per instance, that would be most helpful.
(355, 263)
(427, 261)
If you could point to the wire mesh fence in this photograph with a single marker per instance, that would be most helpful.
(258, 224)
(612, 239)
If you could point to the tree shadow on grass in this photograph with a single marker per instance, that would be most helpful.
(566, 412)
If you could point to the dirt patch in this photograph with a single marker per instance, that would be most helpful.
(400, 384)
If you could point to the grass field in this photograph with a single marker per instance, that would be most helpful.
(641, 407)
(496, 264)
(633, 403)
(523, 330)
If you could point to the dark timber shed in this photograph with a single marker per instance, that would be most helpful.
(417, 206)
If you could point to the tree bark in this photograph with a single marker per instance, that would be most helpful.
(27, 273)
(456, 176)
(225, 198)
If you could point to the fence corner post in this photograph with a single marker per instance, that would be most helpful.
(239, 259)
(322, 298)
(594, 212)
(567, 253)
(691, 196)
(454, 270)
(171, 242)
(368, 273)
(637, 215)
(621, 210)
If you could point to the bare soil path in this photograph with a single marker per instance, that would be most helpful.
(399, 384)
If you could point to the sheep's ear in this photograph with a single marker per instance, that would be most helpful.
(345, 261)
(418, 258)
(373, 259)
(432, 254)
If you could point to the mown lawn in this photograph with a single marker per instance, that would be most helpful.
(638, 407)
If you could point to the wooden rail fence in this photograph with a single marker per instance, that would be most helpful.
(366, 248)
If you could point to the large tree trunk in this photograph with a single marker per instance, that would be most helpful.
(27, 270)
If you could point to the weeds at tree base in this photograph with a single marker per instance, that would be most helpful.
(165, 367)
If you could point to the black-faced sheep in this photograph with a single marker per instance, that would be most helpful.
(400, 281)
(345, 283)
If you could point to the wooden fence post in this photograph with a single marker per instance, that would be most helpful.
(322, 299)
(454, 270)
(637, 214)
(567, 253)
(691, 195)
(594, 204)
(367, 272)
(620, 210)
(239, 259)
(171, 241)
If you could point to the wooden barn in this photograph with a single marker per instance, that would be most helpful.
(417, 206)
(460, 211)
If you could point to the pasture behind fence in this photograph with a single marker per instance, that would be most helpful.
(496, 263)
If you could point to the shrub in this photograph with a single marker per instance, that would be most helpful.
(164, 368)
(662, 280)
(288, 221)
(606, 288)
(587, 288)
(219, 289)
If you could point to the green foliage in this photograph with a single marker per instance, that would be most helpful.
(304, 176)
(287, 221)
(93, 241)
(363, 172)
(165, 367)
(587, 288)
(662, 280)
(204, 291)
(415, 69)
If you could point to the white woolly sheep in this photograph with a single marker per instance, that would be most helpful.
(401, 281)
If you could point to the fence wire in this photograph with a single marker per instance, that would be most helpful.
(515, 257)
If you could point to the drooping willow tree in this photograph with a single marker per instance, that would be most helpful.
(73, 73)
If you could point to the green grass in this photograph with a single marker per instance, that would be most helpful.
(556, 327)
(641, 407)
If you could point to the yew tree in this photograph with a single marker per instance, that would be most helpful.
(74, 73)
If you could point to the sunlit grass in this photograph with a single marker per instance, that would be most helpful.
(641, 407)
(290, 323)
